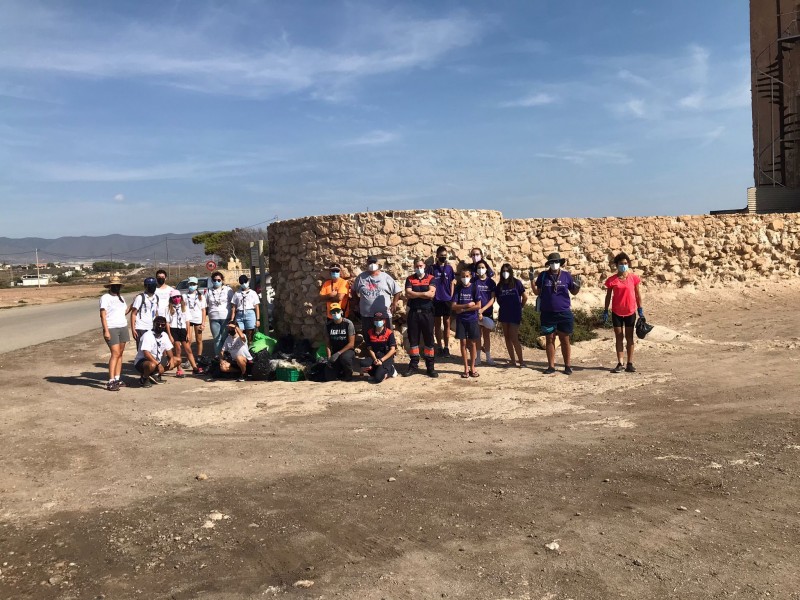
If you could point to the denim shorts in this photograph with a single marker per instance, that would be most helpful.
(246, 320)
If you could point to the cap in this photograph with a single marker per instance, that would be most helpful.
(192, 279)
(150, 281)
(175, 294)
(372, 259)
(113, 280)
(378, 315)
(336, 266)
(335, 306)
(243, 279)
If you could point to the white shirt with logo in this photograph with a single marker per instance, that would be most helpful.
(156, 346)
(195, 305)
(218, 302)
(236, 346)
(115, 307)
(146, 310)
(245, 300)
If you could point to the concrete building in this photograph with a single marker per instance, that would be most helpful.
(775, 62)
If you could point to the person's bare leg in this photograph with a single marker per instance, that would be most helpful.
(618, 333)
(241, 361)
(198, 340)
(464, 355)
(566, 351)
(473, 350)
(112, 362)
(550, 347)
(630, 341)
(487, 341)
(507, 336)
(189, 356)
(446, 332)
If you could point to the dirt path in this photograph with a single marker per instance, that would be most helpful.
(679, 481)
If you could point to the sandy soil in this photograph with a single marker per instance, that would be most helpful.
(17, 296)
(679, 481)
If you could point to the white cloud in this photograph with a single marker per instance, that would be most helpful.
(378, 137)
(538, 99)
(210, 58)
(592, 155)
(119, 198)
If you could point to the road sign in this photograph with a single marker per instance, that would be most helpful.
(211, 265)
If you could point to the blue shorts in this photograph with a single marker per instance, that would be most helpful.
(561, 322)
(246, 320)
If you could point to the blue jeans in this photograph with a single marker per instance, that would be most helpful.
(219, 331)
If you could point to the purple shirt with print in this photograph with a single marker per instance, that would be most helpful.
(466, 295)
(555, 291)
(486, 289)
(510, 301)
(443, 276)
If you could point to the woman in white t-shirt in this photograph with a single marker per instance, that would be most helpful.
(246, 308)
(218, 309)
(178, 329)
(196, 307)
(113, 309)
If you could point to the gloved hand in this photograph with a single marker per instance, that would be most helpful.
(533, 274)
(605, 317)
(334, 357)
(641, 312)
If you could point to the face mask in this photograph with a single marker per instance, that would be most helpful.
(555, 266)
(465, 280)
(176, 301)
(505, 274)
(161, 280)
(442, 259)
(231, 332)
(476, 258)
(622, 268)
(245, 285)
(150, 288)
(420, 271)
(337, 316)
(378, 324)
(192, 288)
(373, 267)
(217, 284)
(335, 274)
(159, 329)
(481, 271)
(115, 289)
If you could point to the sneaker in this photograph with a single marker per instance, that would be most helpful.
(549, 370)
(240, 379)
(180, 374)
(489, 360)
(446, 351)
(567, 370)
(121, 383)
(630, 368)
(478, 359)
(154, 379)
(618, 369)
(112, 386)
(198, 371)
(394, 372)
(145, 382)
(160, 379)
(411, 370)
(185, 365)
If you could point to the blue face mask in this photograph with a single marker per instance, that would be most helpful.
(217, 284)
(378, 324)
(622, 268)
(335, 274)
(337, 316)
(245, 285)
(192, 288)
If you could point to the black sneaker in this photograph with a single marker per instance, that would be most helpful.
(121, 383)
(240, 379)
(549, 370)
(145, 382)
(112, 386)
(411, 370)
(432, 373)
(618, 369)
(160, 379)
(446, 351)
(630, 368)
(567, 370)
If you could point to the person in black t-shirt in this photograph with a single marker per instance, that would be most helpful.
(420, 291)
(341, 338)
(381, 348)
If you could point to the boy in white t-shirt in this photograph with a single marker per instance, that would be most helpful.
(163, 292)
(144, 309)
(235, 352)
(155, 354)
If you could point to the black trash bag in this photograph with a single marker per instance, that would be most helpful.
(304, 351)
(285, 344)
(260, 369)
(203, 361)
(317, 372)
(213, 369)
(642, 328)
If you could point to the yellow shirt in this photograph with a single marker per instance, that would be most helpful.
(340, 286)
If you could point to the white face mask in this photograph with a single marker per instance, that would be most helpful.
(465, 280)
(373, 267)
(420, 271)
(481, 271)
(555, 266)
(505, 274)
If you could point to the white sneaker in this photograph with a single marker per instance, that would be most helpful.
(478, 358)
(489, 360)
(394, 372)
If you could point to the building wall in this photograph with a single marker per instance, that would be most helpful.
(666, 251)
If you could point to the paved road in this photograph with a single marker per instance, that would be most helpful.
(29, 325)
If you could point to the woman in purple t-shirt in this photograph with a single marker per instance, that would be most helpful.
(511, 297)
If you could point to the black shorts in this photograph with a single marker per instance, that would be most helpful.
(468, 331)
(441, 309)
(179, 335)
(139, 366)
(561, 322)
(629, 322)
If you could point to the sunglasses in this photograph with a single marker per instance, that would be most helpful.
(335, 271)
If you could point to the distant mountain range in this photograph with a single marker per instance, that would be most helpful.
(177, 247)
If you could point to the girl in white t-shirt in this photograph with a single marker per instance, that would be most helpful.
(218, 308)
(178, 328)
(113, 309)
(196, 307)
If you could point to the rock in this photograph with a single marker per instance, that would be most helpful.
(215, 516)
(682, 508)
(552, 546)
(637, 562)
(606, 480)
(208, 524)
(201, 477)
(55, 580)
(303, 583)
(391, 479)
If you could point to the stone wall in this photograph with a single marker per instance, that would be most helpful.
(665, 250)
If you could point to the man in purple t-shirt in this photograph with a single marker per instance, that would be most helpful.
(444, 279)
(554, 287)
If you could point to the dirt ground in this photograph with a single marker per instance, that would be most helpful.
(679, 481)
(48, 294)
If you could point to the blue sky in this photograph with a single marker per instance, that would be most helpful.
(178, 115)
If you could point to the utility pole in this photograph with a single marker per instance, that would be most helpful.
(38, 277)
(166, 243)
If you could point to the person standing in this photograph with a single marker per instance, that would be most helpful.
(246, 308)
(381, 348)
(444, 278)
(625, 300)
(163, 292)
(486, 289)
(196, 308)
(113, 309)
(466, 307)
(554, 287)
(336, 290)
(476, 256)
(143, 310)
(178, 329)
(376, 292)
(340, 334)
(218, 309)
(511, 298)
(420, 291)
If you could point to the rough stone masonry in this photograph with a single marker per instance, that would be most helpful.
(666, 251)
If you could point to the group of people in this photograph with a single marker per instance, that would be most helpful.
(163, 321)
(437, 293)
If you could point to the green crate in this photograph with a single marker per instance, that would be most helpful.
(284, 374)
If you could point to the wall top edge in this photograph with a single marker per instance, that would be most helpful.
(398, 214)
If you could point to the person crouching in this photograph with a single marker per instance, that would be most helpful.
(235, 352)
(155, 356)
(381, 348)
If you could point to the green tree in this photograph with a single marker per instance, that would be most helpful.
(230, 244)
(104, 266)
